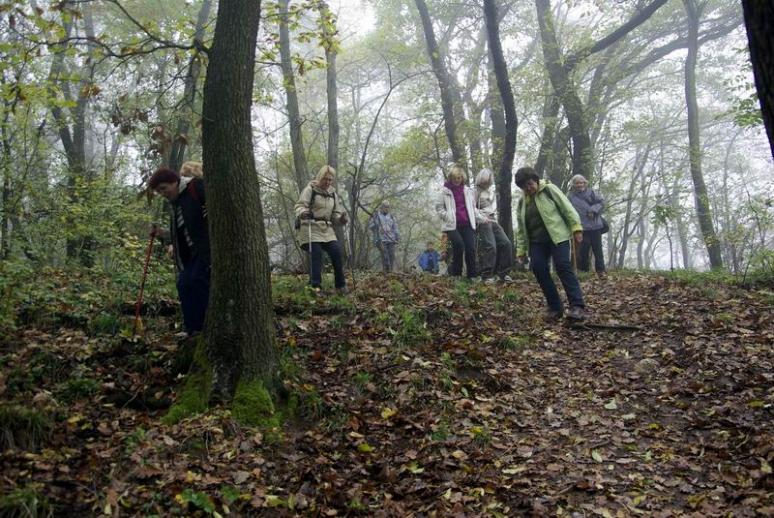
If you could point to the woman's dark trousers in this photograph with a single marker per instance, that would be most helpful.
(592, 241)
(334, 252)
(463, 241)
(193, 288)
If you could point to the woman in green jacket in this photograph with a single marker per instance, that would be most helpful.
(547, 223)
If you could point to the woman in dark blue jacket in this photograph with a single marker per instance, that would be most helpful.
(589, 206)
(190, 242)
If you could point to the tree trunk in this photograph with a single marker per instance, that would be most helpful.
(565, 89)
(701, 197)
(560, 72)
(240, 322)
(73, 137)
(328, 24)
(504, 176)
(294, 113)
(181, 137)
(496, 114)
(550, 120)
(639, 165)
(444, 83)
(759, 19)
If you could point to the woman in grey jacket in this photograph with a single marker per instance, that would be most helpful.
(589, 206)
(494, 247)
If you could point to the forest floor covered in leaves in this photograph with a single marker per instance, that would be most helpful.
(416, 396)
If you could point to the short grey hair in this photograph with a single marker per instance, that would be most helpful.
(576, 178)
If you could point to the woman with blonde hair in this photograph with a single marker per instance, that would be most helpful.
(457, 209)
(191, 169)
(317, 210)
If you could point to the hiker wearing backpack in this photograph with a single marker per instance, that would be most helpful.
(548, 224)
(190, 243)
(457, 209)
(317, 209)
(385, 235)
(589, 206)
(495, 251)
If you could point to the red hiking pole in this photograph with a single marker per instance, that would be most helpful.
(137, 322)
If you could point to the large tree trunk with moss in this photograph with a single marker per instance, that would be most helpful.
(703, 211)
(239, 331)
(504, 216)
(759, 19)
(294, 113)
(444, 84)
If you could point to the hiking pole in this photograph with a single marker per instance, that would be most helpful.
(574, 255)
(351, 257)
(138, 305)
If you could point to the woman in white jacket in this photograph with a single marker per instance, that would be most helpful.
(457, 210)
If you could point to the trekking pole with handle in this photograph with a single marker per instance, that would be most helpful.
(138, 305)
(309, 226)
(574, 254)
(350, 257)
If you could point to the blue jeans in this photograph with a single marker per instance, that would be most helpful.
(334, 253)
(539, 255)
(193, 288)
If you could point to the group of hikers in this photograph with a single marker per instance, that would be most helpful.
(552, 227)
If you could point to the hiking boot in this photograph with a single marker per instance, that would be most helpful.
(506, 278)
(342, 291)
(577, 313)
(489, 281)
(552, 315)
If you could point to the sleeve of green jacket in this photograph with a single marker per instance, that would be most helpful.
(564, 205)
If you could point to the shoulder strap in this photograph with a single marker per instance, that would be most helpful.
(547, 190)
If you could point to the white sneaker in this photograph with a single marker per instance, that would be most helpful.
(489, 281)
(506, 278)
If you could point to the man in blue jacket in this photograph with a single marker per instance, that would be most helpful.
(386, 235)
